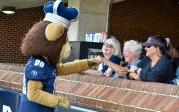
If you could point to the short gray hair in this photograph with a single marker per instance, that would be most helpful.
(134, 46)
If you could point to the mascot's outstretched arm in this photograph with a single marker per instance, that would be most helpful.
(36, 94)
(75, 66)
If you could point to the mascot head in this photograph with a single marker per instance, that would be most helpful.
(48, 37)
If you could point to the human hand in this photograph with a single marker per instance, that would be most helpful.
(93, 61)
(133, 75)
(64, 102)
(101, 59)
(123, 70)
(98, 59)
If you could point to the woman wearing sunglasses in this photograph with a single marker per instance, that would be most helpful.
(159, 68)
(111, 51)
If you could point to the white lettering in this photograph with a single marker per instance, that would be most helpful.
(41, 64)
(37, 62)
(6, 109)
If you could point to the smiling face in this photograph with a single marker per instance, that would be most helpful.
(108, 50)
(129, 55)
(131, 51)
(151, 51)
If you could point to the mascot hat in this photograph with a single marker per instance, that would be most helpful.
(56, 12)
(47, 37)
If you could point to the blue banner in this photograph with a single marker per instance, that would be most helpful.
(9, 101)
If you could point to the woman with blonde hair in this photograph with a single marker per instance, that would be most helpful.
(111, 51)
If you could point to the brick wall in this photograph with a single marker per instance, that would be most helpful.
(12, 30)
(104, 93)
(138, 19)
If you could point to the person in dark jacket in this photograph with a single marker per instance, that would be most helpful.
(175, 62)
(159, 68)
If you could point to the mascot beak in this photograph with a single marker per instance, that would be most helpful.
(66, 51)
(54, 31)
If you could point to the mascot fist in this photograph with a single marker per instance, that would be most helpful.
(64, 102)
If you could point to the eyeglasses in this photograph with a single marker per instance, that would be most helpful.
(108, 45)
(148, 46)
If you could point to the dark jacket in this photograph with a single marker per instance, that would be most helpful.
(162, 71)
(114, 59)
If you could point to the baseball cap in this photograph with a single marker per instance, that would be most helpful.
(152, 42)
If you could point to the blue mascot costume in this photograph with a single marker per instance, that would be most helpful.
(46, 44)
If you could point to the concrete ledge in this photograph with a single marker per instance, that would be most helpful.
(107, 94)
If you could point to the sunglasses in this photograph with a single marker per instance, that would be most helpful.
(150, 46)
(108, 45)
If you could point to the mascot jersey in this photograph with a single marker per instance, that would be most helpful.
(38, 69)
